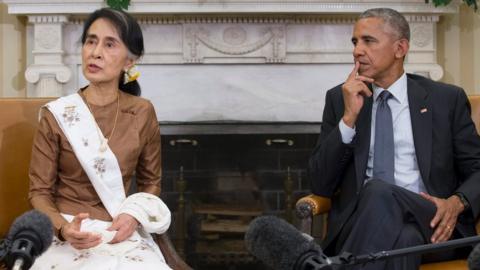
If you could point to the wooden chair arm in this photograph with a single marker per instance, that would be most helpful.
(171, 256)
(450, 265)
(312, 205)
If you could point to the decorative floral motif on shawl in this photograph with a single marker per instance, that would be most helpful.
(99, 166)
(70, 116)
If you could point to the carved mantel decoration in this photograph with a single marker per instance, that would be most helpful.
(225, 60)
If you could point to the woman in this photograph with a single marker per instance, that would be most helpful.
(87, 148)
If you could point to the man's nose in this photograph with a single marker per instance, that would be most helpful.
(358, 50)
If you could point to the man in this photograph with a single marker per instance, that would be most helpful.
(398, 153)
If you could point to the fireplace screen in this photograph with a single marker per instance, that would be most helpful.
(216, 184)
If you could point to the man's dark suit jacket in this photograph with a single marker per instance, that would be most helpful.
(446, 143)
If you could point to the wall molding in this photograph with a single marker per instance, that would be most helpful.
(225, 6)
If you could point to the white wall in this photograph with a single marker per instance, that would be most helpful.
(458, 51)
(12, 54)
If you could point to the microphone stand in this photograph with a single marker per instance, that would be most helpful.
(321, 262)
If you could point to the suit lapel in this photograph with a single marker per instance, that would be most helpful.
(362, 140)
(421, 117)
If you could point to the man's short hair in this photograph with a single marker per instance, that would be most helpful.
(392, 18)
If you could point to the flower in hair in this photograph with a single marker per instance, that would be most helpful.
(131, 75)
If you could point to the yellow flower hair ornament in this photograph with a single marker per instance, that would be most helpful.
(131, 75)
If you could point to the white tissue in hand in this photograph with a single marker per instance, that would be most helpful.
(114, 249)
(107, 236)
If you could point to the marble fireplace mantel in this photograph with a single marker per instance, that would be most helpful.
(224, 6)
(225, 60)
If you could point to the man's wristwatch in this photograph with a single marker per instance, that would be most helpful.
(463, 199)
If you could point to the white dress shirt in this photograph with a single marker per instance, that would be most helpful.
(407, 174)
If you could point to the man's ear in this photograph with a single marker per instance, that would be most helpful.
(401, 48)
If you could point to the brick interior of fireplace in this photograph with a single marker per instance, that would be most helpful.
(216, 184)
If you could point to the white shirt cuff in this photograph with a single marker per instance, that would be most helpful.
(347, 132)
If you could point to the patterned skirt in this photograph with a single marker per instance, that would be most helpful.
(137, 252)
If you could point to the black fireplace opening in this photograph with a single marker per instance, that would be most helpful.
(216, 184)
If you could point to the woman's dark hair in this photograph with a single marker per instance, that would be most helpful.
(130, 33)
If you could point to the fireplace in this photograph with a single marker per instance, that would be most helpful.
(216, 184)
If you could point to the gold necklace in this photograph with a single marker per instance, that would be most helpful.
(103, 140)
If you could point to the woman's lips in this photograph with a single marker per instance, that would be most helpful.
(92, 68)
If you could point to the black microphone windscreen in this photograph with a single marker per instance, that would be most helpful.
(474, 259)
(277, 243)
(36, 223)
